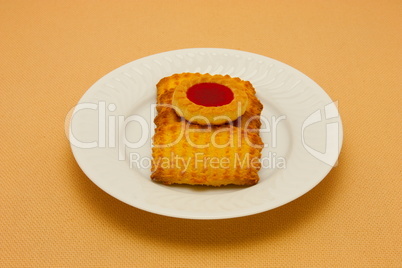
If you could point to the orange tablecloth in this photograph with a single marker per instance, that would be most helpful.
(52, 215)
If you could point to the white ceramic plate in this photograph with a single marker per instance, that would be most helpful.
(111, 130)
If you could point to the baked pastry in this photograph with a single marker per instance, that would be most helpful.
(185, 152)
(210, 99)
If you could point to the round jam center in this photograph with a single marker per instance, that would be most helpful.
(210, 94)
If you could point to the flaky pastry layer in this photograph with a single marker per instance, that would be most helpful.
(214, 155)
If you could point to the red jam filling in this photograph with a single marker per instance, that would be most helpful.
(210, 94)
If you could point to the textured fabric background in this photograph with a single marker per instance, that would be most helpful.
(52, 215)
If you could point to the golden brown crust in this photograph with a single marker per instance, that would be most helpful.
(194, 154)
(210, 115)
(229, 156)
